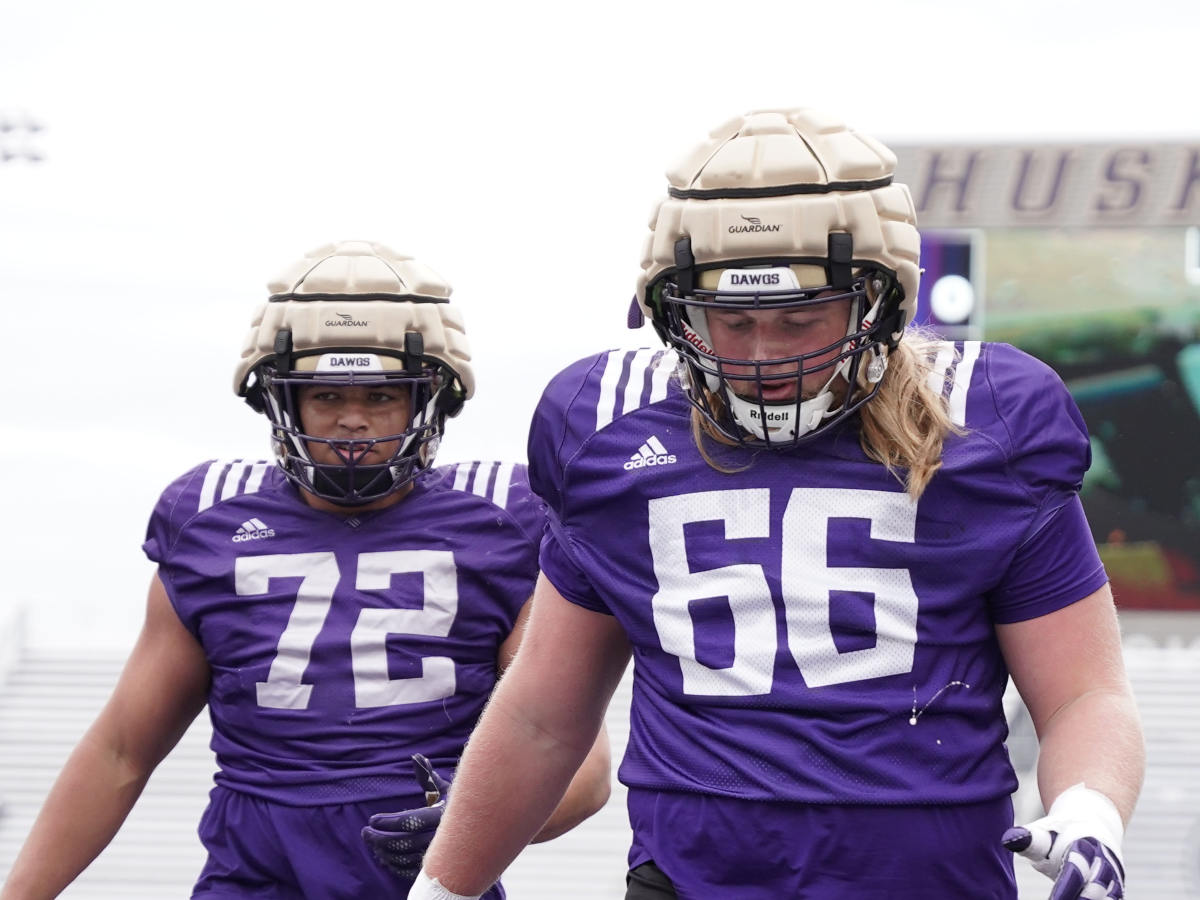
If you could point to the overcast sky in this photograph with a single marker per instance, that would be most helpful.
(192, 151)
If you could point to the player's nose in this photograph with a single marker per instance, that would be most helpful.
(352, 415)
(770, 343)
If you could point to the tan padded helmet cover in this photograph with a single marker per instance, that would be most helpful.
(339, 272)
(786, 149)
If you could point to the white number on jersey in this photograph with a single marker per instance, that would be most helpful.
(807, 582)
(319, 575)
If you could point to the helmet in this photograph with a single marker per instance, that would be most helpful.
(356, 313)
(781, 210)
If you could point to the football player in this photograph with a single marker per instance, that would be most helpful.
(341, 611)
(828, 541)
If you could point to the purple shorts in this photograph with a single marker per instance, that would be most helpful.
(266, 850)
(719, 847)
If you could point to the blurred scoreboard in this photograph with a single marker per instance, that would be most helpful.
(950, 298)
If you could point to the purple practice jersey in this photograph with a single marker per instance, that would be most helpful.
(803, 630)
(341, 645)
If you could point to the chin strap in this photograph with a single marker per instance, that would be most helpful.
(784, 420)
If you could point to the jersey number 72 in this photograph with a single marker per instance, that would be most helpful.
(319, 576)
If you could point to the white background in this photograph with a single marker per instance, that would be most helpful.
(191, 151)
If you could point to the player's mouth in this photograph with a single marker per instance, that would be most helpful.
(772, 396)
(778, 392)
(354, 451)
(782, 390)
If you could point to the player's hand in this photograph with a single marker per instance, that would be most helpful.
(1077, 843)
(399, 840)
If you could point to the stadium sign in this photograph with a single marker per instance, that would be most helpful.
(1052, 185)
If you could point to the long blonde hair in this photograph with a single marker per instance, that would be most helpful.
(903, 427)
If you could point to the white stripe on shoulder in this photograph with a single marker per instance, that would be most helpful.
(641, 361)
(257, 472)
(962, 382)
(225, 475)
(483, 474)
(663, 368)
(502, 483)
(476, 478)
(462, 474)
(647, 372)
(233, 478)
(208, 490)
(605, 406)
(212, 478)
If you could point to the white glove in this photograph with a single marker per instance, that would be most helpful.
(426, 888)
(1077, 843)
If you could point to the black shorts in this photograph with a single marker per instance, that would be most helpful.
(648, 882)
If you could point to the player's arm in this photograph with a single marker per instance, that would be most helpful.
(591, 785)
(1069, 670)
(163, 687)
(534, 735)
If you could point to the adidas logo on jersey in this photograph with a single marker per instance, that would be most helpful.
(651, 453)
(253, 530)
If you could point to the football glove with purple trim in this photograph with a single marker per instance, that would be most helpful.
(399, 840)
(1077, 843)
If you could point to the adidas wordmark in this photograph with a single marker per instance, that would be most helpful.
(651, 453)
(253, 530)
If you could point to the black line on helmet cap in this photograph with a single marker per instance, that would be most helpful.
(283, 351)
(841, 251)
(414, 350)
(393, 298)
(892, 324)
(783, 190)
(685, 263)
